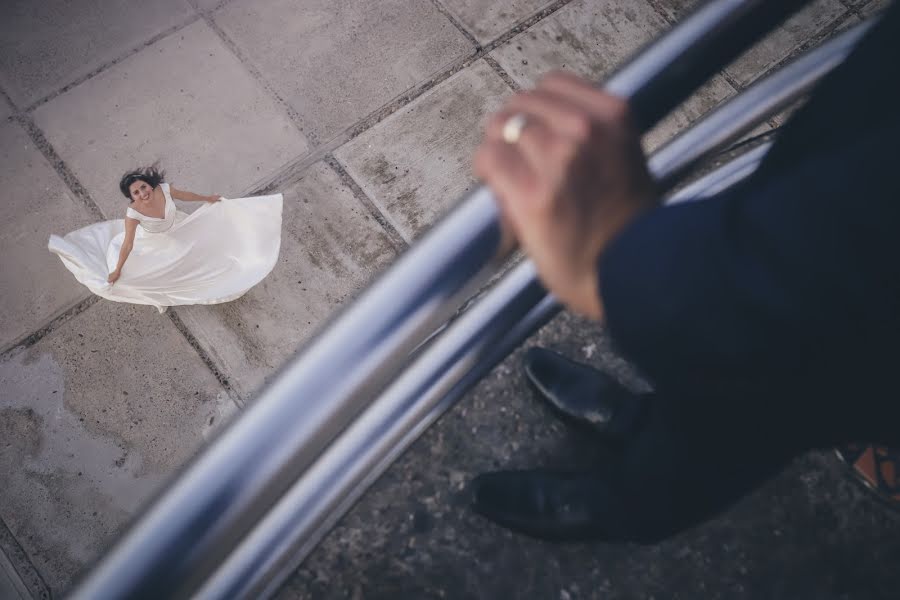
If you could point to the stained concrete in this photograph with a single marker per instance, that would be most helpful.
(417, 163)
(336, 62)
(330, 247)
(208, 5)
(47, 45)
(34, 202)
(590, 38)
(782, 42)
(486, 20)
(872, 8)
(5, 109)
(185, 101)
(95, 416)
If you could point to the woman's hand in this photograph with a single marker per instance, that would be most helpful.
(114, 276)
(568, 183)
(213, 198)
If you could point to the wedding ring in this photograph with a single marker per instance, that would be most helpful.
(512, 129)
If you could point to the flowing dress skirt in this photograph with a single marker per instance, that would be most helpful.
(212, 255)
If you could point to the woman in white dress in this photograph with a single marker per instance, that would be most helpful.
(163, 257)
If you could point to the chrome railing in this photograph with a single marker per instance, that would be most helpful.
(258, 499)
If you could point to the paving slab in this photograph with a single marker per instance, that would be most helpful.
(34, 202)
(186, 101)
(47, 45)
(22, 580)
(208, 5)
(676, 10)
(486, 20)
(785, 40)
(330, 247)
(591, 38)
(417, 163)
(94, 417)
(342, 60)
(873, 7)
(5, 109)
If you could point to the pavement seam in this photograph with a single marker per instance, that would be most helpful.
(204, 356)
(456, 23)
(397, 240)
(22, 563)
(208, 11)
(107, 65)
(655, 5)
(257, 76)
(291, 172)
(32, 338)
(811, 42)
(501, 72)
(59, 165)
(480, 52)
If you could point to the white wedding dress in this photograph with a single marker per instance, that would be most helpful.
(212, 255)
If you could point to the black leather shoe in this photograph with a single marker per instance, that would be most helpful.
(582, 394)
(549, 505)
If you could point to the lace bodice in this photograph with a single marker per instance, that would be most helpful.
(156, 224)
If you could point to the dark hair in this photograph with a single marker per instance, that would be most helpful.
(150, 175)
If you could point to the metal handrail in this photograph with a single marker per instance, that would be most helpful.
(230, 487)
(482, 337)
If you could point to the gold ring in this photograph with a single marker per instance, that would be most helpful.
(512, 129)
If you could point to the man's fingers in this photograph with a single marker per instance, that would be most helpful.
(503, 168)
(584, 95)
(559, 114)
(536, 143)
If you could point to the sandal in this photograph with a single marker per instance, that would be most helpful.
(877, 467)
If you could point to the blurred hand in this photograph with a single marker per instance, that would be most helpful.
(574, 179)
(114, 276)
(213, 198)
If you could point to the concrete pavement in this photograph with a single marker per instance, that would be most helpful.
(365, 114)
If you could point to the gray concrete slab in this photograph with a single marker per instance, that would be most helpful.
(486, 20)
(17, 569)
(47, 45)
(591, 38)
(875, 6)
(208, 5)
(417, 163)
(785, 40)
(5, 109)
(342, 60)
(94, 417)
(675, 10)
(330, 247)
(34, 202)
(186, 101)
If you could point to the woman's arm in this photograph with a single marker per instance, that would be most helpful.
(127, 245)
(191, 196)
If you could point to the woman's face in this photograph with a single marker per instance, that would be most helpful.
(140, 190)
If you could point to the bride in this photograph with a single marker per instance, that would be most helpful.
(163, 257)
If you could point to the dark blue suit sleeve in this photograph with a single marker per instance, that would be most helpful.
(794, 272)
(765, 280)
